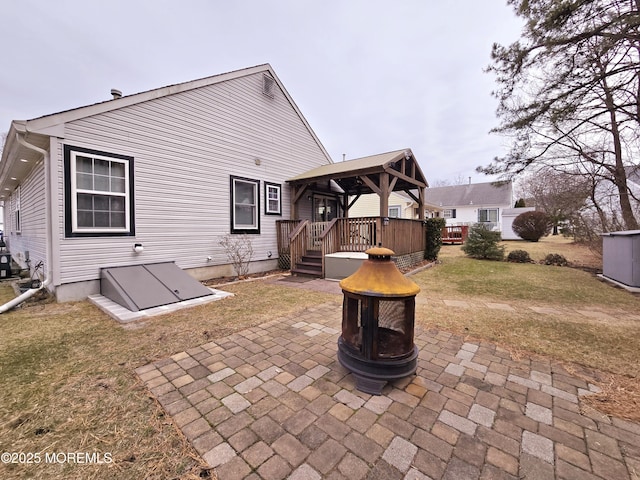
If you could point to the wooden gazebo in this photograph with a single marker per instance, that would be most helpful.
(380, 174)
(307, 241)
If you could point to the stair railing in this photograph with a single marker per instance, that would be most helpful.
(329, 240)
(298, 242)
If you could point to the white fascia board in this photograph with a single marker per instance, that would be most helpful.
(48, 122)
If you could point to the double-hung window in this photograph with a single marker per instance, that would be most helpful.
(273, 199)
(245, 205)
(488, 215)
(99, 193)
(449, 213)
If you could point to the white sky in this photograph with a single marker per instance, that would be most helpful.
(370, 76)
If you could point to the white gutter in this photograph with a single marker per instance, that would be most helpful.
(21, 298)
(32, 291)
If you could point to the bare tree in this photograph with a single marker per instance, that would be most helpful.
(239, 251)
(560, 195)
(3, 139)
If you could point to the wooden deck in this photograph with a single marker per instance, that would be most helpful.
(297, 237)
(455, 235)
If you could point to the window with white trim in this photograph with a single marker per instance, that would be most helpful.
(245, 205)
(489, 215)
(449, 213)
(17, 222)
(272, 198)
(394, 212)
(99, 197)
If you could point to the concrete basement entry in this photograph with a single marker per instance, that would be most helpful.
(141, 287)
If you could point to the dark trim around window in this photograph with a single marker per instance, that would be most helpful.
(267, 209)
(255, 227)
(68, 214)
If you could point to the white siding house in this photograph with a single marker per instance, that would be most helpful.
(508, 216)
(172, 169)
(473, 203)
(400, 206)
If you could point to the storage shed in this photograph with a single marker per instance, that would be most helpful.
(621, 257)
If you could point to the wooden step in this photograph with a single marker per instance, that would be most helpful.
(309, 265)
(306, 272)
(311, 260)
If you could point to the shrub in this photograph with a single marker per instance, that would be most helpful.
(239, 250)
(483, 243)
(519, 256)
(555, 259)
(532, 225)
(434, 237)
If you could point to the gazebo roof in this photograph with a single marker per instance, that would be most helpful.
(362, 175)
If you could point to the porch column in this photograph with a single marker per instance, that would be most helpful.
(345, 202)
(296, 193)
(384, 194)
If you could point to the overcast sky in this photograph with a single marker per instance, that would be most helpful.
(370, 76)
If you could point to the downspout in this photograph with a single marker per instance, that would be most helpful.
(21, 298)
(32, 291)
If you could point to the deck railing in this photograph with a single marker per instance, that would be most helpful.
(455, 234)
(283, 230)
(403, 236)
(298, 240)
(315, 233)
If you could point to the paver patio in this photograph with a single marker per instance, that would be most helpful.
(273, 402)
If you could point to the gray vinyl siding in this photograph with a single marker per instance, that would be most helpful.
(185, 147)
(33, 220)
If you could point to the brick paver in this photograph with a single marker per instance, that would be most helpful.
(272, 401)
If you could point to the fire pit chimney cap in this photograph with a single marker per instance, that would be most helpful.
(380, 252)
(378, 276)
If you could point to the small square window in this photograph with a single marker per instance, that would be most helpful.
(273, 199)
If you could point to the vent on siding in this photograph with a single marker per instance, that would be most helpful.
(268, 86)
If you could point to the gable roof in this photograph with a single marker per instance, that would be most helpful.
(490, 193)
(398, 163)
(38, 130)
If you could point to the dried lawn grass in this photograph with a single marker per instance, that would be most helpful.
(578, 255)
(67, 372)
(620, 397)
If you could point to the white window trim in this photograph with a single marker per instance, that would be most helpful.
(268, 187)
(75, 190)
(488, 210)
(398, 208)
(17, 218)
(255, 227)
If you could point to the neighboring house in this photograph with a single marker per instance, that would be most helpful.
(472, 203)
(401, 205)
(508, 216)
(171, 170)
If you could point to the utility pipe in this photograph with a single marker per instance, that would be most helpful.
(22, 297)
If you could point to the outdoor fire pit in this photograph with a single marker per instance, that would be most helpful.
(378, 315)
